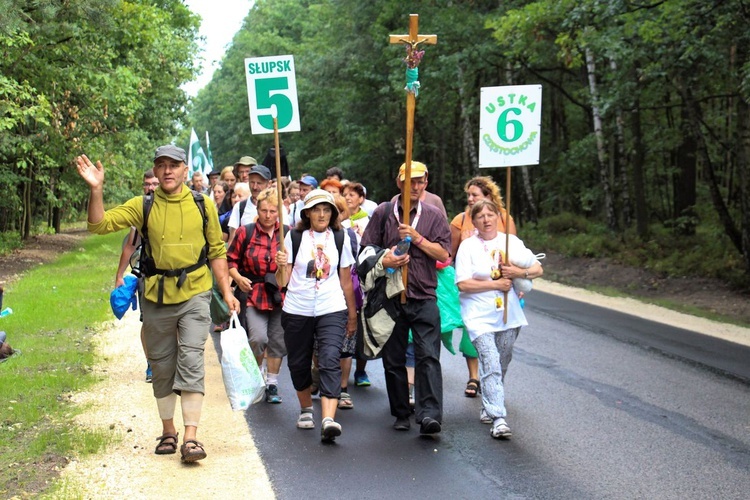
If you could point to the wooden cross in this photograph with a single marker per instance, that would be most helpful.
(412, 40)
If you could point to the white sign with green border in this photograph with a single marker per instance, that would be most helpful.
(272, 91)
(510, 126)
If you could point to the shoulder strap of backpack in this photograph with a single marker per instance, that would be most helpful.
(148, 202)
(286, 230)
(249, 229)
(338, 238)
(200, 200)
(243, 205)
(296, 240)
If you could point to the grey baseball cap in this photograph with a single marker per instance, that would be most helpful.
(171, 151)
(261, 170)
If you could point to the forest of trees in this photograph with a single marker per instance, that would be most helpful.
(645, 104)
(86, 76)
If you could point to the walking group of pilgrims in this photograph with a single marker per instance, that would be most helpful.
(302, 298)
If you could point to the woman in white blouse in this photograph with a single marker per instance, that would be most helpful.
(483, 279)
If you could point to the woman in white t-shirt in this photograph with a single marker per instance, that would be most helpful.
(319, 305)
(483, 278)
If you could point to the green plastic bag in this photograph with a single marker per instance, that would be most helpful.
(219, 309)
(447, 301)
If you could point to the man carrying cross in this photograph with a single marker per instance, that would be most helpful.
(430, 236)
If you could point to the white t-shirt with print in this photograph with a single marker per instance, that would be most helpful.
(316, 263)
(479, 310)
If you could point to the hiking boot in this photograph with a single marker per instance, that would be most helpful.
(305, 419)
(329, 430)
(484, 417)
(272, 394)
(402, 424)
(361, 379)
(500, 429)
(429, 426)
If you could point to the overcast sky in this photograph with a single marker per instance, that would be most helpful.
(221, 20)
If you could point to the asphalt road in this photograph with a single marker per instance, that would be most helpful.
(601, 404)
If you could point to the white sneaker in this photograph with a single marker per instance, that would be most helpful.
(484, 417)
(329, 430)
(500, 429)
(305, 420)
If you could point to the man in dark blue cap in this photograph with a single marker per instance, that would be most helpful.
(306, 184)
(246, 211)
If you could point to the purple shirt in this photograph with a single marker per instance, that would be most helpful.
(422, 275)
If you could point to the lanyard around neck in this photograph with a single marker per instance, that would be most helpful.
(416, 217)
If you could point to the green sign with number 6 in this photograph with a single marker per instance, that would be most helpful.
(509, 126)
(272, 92)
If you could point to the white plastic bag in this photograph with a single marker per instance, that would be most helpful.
(242, 378)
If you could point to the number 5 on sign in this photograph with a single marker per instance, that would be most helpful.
(272, 92)
(509, 126)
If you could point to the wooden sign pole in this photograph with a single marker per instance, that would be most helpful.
(413, 56)
(507, 238)
(279, 199)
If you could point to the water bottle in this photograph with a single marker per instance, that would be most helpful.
(6, 312)
(402, 247)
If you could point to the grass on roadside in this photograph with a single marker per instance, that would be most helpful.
(58, 308)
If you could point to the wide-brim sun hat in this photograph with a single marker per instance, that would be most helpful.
(318, 196)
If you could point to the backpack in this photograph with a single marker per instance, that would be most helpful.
(243, 205)
(146, 265)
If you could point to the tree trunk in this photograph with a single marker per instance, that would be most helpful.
(609, 207)
(743, 163)
(684, 179)
(27, 210)
(639, 184)
(468, 135)
(694, 120)
(743, 166)
(622, 162)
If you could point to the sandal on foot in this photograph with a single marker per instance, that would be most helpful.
(345, 401)
(472, 388)
(192, 451)
(167, 444)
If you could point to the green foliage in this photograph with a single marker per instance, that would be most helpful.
(8, 242)
(94, 76)
(56, 360)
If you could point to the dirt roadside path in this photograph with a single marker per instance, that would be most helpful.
(123, 406)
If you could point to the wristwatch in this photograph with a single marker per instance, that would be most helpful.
(526, 274)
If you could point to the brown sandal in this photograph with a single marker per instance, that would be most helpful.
(192, 453)
(166, 447)
(472, 388)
